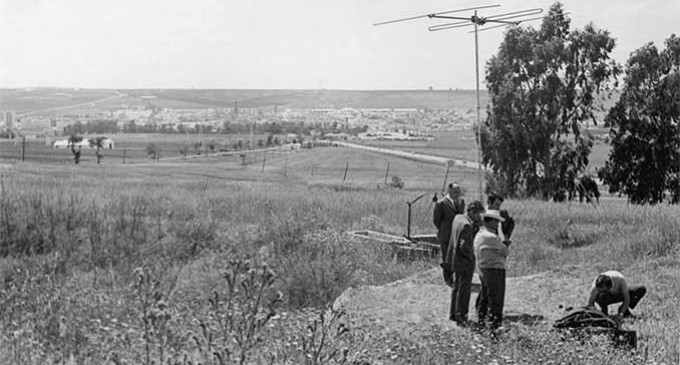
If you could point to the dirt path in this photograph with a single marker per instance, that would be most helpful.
(416, 303)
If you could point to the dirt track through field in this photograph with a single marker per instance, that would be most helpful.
(420, 302)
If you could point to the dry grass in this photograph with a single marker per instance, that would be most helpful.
(72, 237)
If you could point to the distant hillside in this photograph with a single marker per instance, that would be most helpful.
(52, 100)
(60, 100)
(308, 99)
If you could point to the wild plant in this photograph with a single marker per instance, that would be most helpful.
(155, 314)
(318, 343)
(237, 317)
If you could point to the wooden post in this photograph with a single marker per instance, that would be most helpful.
(285, 166)
(124, 152)
(23, 147)
(445, 178)
(387, 172)
(346, 168)
(264, 158)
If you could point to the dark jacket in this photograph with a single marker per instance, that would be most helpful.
(444, 212)
(461, 254)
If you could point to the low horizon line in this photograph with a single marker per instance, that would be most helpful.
(208, 88)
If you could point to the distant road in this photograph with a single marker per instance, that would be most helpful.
(119, 95)
(437, 160)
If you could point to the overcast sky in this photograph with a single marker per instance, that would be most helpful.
(301, 44)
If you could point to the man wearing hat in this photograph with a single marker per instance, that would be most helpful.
(494, 201)
(461, 258)
(491, 254)
(445, 209)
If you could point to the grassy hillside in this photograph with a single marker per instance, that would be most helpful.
(26, 100)
(118, 261)
(34, 99)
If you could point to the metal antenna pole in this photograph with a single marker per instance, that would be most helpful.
(479, 123)
(500, 20)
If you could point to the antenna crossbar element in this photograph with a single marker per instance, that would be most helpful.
(502, 19)
(518, 23)
(431, 15)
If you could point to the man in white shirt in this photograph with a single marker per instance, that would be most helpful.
(491, 254)
(506, 228)
(610, 287)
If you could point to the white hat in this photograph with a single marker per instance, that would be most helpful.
(492, 213)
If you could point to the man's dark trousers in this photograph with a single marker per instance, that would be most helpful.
(636, 293)
(460, 297)
(491, 297)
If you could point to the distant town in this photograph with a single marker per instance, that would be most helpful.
(327, 123)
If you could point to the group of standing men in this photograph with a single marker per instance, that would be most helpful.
(474, 239)
(478, 239)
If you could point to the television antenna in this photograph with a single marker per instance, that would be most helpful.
(498, 20)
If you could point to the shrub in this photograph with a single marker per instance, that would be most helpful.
(396, 182)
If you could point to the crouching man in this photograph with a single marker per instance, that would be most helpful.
(610, 288)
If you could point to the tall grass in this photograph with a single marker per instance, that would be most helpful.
(70, 244)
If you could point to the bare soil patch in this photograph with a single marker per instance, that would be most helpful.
(416, 304)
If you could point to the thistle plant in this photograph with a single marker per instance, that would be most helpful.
(237, 316)
(155, 314)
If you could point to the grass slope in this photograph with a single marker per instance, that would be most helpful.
(72, 236)
(24, 100)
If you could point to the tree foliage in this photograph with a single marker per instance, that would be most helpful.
(73, 140)
(644, 162)
(98, 143)
(543, 85)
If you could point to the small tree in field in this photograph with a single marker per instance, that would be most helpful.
(72, 141)
(397, 182)
(644, 162)
(99, 144)
(543, 85)
(153, 151)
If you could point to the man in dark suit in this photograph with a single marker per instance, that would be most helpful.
(462, 258)
(445, 210)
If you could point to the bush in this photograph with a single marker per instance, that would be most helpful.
(397, 183)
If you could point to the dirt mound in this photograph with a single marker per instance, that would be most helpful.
(421, 301)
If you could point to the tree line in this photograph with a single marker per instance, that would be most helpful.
(546, 84)
(227, 127)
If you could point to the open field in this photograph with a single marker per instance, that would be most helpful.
(57, 101)
(73, 235)
(461, 145)
(131, 146)
(449, 144)
(36, 99)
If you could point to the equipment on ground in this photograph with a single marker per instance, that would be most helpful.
(588, 322)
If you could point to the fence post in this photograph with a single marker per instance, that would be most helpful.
(124, 152)
(264, 158)
(285, 166)
(346, 168)
(387, 172)
(23, 147)
(445, 178)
